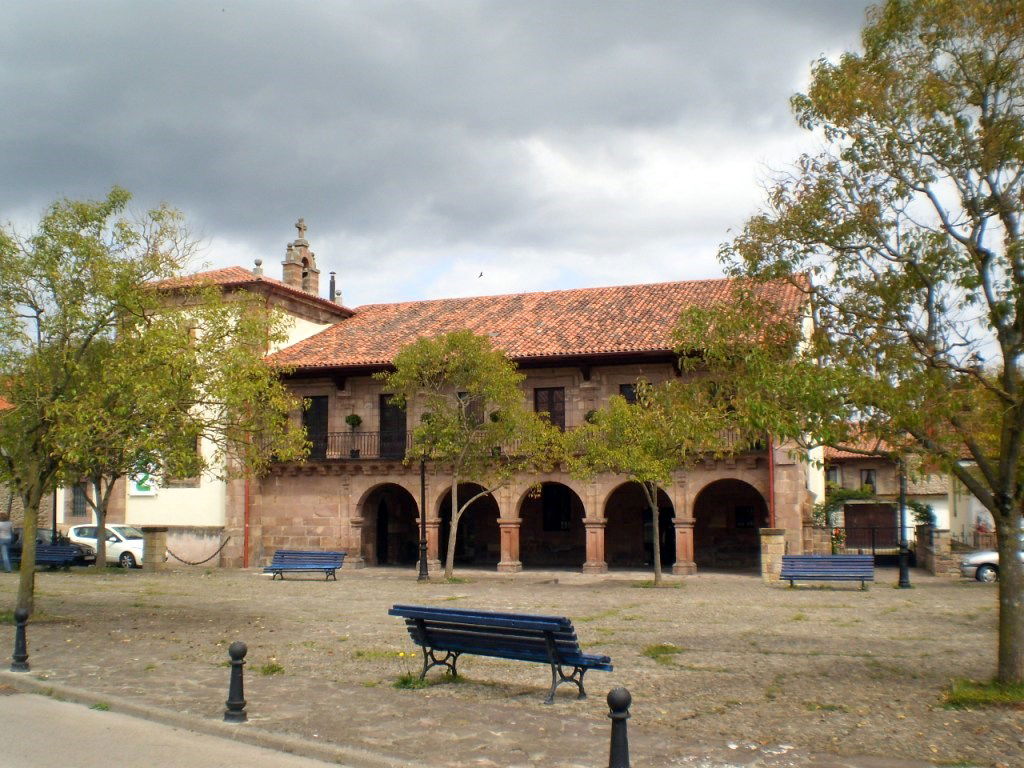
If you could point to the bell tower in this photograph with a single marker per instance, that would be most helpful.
(299, 265)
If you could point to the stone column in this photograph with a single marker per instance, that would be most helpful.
(433, 546)
(684, 565)
(355, 558)
(154, 548)
(595, 546)
(510, 562)
(773, 547)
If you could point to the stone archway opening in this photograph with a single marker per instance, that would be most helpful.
(629, 530)
(479, 538)
(551, 534)
(727, 516)
(390, 532)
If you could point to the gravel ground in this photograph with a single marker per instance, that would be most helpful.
(758, 675)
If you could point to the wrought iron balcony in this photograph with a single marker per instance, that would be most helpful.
(360, 445)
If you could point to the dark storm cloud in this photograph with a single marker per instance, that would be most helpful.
(388, 122)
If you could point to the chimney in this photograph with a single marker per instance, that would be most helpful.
(299, 265)
(333, 292)
(258, 269)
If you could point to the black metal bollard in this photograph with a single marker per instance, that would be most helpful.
(618, 752)
(235, 712)
(19, 661)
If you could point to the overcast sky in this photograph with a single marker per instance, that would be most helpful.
(544, 144)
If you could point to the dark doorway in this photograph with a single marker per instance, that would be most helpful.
(727, 516)
(479, 538)
(629, 532)
(392, 429)
(390, 533)
(551, 533)
(314, 419)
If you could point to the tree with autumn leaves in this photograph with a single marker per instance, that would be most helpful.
(108, 377)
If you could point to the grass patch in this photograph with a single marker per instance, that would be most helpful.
(374, 654)
(798, 617)
(602, 615)
(649, 584)
(101, 706)
(270, 668)
(966, 694)
(662, 652)
(454, 597)
(409, 682)
(457, 580)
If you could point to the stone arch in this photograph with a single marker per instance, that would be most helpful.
(727, 515)
(479, 539)
(551, 533)
(629, 531)
(390, 533)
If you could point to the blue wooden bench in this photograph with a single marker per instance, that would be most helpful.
(828, 568)
(53, 555)
(293, 560)
(517, 636)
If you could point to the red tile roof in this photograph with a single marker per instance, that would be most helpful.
(240, 277)
(626, 319)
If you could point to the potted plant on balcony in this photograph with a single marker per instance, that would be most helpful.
(353, 420)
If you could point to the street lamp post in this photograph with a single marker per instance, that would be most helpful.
(423, 575)
(904, 545)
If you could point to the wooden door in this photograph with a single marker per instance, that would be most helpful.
(392, 429)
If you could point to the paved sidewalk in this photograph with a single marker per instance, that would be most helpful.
(40, 732)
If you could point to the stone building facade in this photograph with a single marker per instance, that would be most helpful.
(577, 349)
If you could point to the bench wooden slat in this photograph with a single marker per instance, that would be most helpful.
(524, 622)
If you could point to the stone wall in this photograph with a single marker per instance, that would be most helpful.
(934, 553)
(11, 502)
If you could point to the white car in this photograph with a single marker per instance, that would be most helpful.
(984, 565)
(124, 542)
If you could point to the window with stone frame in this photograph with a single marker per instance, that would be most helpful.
(79, 504)
(474, 408)
(628, 392)
(867, 480)
(551, 400)
(834, 476)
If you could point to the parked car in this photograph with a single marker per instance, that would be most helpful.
(124, 542)
(86, 555)
(984, 565)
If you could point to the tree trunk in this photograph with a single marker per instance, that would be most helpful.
(100, 502)
(651, 492)
(27, 571)
(453, 530)
(1011, 598)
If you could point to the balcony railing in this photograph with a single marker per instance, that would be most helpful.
(395, 445)
(360, 445)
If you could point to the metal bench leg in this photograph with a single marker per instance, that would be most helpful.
(558, 677)
(450, 659)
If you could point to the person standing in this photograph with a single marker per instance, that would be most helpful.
(6, 537)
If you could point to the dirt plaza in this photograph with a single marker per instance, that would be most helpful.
(721, 667)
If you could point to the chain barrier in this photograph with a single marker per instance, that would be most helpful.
(200, 562)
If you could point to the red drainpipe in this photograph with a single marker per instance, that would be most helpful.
(771, 484)
(245, 528)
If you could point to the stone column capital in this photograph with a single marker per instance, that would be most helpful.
(682, 524)
(510, 523)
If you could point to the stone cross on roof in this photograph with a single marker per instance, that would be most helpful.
(301, 226)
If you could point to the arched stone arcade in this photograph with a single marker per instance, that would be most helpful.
(390, 535)
(478, 539)
(727, 515)
(551, 531)
(629, 529)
